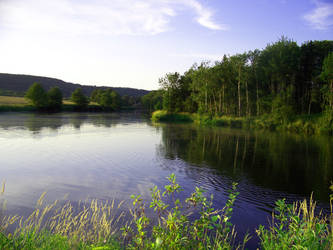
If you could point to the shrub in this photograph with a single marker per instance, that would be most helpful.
(295, 226)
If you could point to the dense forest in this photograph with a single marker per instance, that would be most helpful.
(283, 79)
(17, 85)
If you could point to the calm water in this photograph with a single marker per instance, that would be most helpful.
(111, 156)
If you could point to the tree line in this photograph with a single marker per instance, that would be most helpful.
(52, 100)
(283, 79)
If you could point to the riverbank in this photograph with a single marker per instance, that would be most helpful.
(99, 225)
(300, 124)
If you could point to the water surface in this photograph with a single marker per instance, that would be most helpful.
(111, 156)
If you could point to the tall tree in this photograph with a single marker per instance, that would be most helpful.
(79, 98)
(54, 98)
(327, 76)
(37, 96)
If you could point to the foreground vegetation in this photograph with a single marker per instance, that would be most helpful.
(97, 225)
(301, 124)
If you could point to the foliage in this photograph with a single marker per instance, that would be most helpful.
(175, 230)
(295, 226)
(164, 116)
(51, 100)
(153, 101)
(79, 98)
(107, 99)
(282, 80)
(37, 95)
(327, 76)
(54, 98)
(96, 225)
(282, 120)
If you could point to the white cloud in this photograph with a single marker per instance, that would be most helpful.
(125, 17)
(204, 15)
(321, 17)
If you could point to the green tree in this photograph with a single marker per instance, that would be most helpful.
(105, 99)
(54, 98)
(116, 100)
(79, 98)
(153, 100)
(37, 96)
(95, 95)
(171, 83)
(327, 76)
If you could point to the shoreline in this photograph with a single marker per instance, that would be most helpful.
(299, 124)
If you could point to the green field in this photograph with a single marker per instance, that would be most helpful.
(11, 100)
(17, 104)
(21, 101)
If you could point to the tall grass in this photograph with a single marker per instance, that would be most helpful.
(94, 223)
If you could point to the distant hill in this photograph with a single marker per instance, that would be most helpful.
(11, 84)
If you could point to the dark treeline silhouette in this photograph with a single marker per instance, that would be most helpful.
(17, 85)
(283, 79)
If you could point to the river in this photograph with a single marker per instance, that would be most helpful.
(78, 156)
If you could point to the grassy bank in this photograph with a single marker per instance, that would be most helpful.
(97, 225)
(20, 104)
(164, 116)
(301, 124)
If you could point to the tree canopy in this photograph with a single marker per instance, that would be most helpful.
(37, 96)
(282, 79)
(54, 98)
(79, 98)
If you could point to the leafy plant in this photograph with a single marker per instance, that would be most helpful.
(295, 226)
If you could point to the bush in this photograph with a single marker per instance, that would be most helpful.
(174, 230)
(295, 226)
(165, 116)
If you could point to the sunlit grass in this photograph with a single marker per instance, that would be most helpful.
(86, 224)
(12, 100)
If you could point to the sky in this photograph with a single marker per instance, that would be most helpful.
(132, 43)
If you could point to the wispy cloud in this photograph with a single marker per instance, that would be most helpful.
(321, 17)
(136, 17)
(204, 16)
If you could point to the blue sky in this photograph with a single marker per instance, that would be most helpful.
(131, 43)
